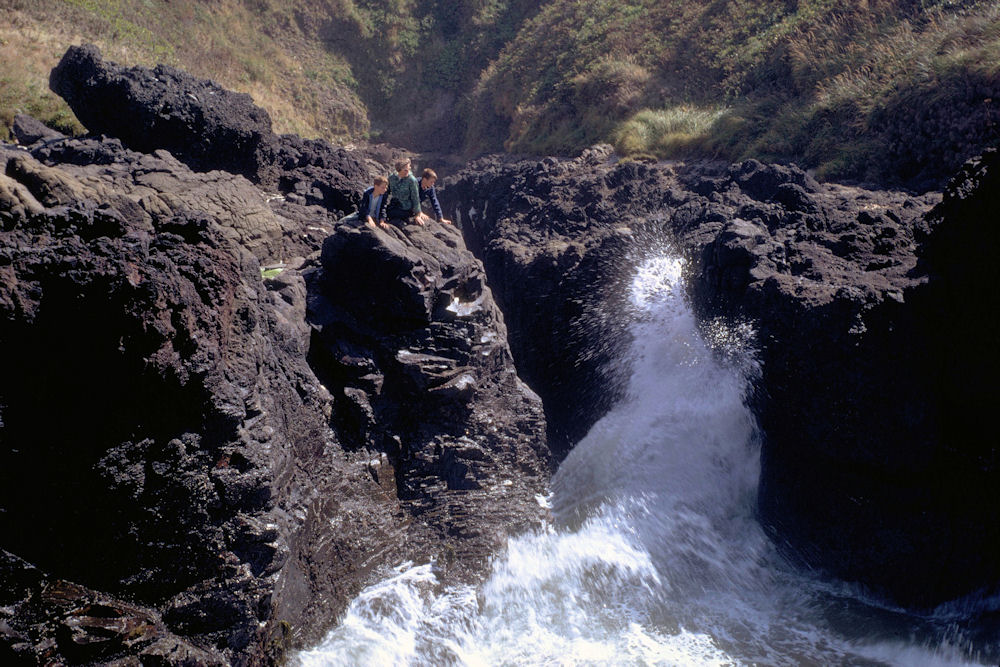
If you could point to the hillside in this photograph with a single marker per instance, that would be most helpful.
(894, 92)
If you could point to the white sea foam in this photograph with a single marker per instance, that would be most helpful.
(655, 557)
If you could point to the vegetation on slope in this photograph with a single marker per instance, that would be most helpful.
(884, 90)
(307, 89)
(888, 91)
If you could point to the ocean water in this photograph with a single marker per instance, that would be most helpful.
(653, 556)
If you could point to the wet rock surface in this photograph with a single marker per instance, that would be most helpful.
(870, 316)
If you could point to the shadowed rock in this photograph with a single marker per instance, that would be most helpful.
(46, 618)
(871, 330)
(198, 464)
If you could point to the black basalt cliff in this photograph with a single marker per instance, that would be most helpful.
(222, 411)
(874, 319)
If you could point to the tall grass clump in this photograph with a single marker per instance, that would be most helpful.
(667, 133)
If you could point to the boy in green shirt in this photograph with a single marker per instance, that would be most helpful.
(405, 203)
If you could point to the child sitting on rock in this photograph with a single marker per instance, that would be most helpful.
(374, 202)
(405, 203)
(427, 191)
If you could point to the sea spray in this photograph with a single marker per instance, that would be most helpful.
(654, 555)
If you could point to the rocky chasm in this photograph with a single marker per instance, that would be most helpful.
(202, 465)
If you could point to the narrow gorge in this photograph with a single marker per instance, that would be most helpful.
(225, 411)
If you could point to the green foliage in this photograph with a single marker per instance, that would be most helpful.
(267, 274)
(833, 85)
(255, 46)
(671, 132)
(874, 89)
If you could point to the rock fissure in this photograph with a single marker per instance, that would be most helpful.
(203, 462)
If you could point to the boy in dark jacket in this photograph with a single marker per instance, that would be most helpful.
(427, 191)
(374, 202)
(405, 204)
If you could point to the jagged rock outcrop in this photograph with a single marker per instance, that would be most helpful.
(205, 126)
(867, 314)
(164, 440)
(868, 471)
(144, 408)
(552, 272)
(407, 338)
(197, 120)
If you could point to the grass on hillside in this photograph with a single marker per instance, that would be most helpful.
(249, 47)
(901, 101)
(892, 91)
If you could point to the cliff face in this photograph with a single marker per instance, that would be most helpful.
(139, 422)
(199, 464)
(235, 456)
(869, 311)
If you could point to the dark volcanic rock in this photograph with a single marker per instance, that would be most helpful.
(874, 466)
(29, 131)
(316, 173)
(150, 334)
(195, 464)
(552, 272)
(875, 352)
(44, 620)
(426, 402)
(197, 120)
(207, 127)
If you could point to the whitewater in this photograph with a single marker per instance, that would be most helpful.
(653, 555)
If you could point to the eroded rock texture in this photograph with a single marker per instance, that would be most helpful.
(165, 441)
(145, 407)
(870, 313)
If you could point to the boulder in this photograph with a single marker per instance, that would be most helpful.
(29, 131)
(207, 127)
(197, 120)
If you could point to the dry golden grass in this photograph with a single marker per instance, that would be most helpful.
(27, 55)
(306, 89)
